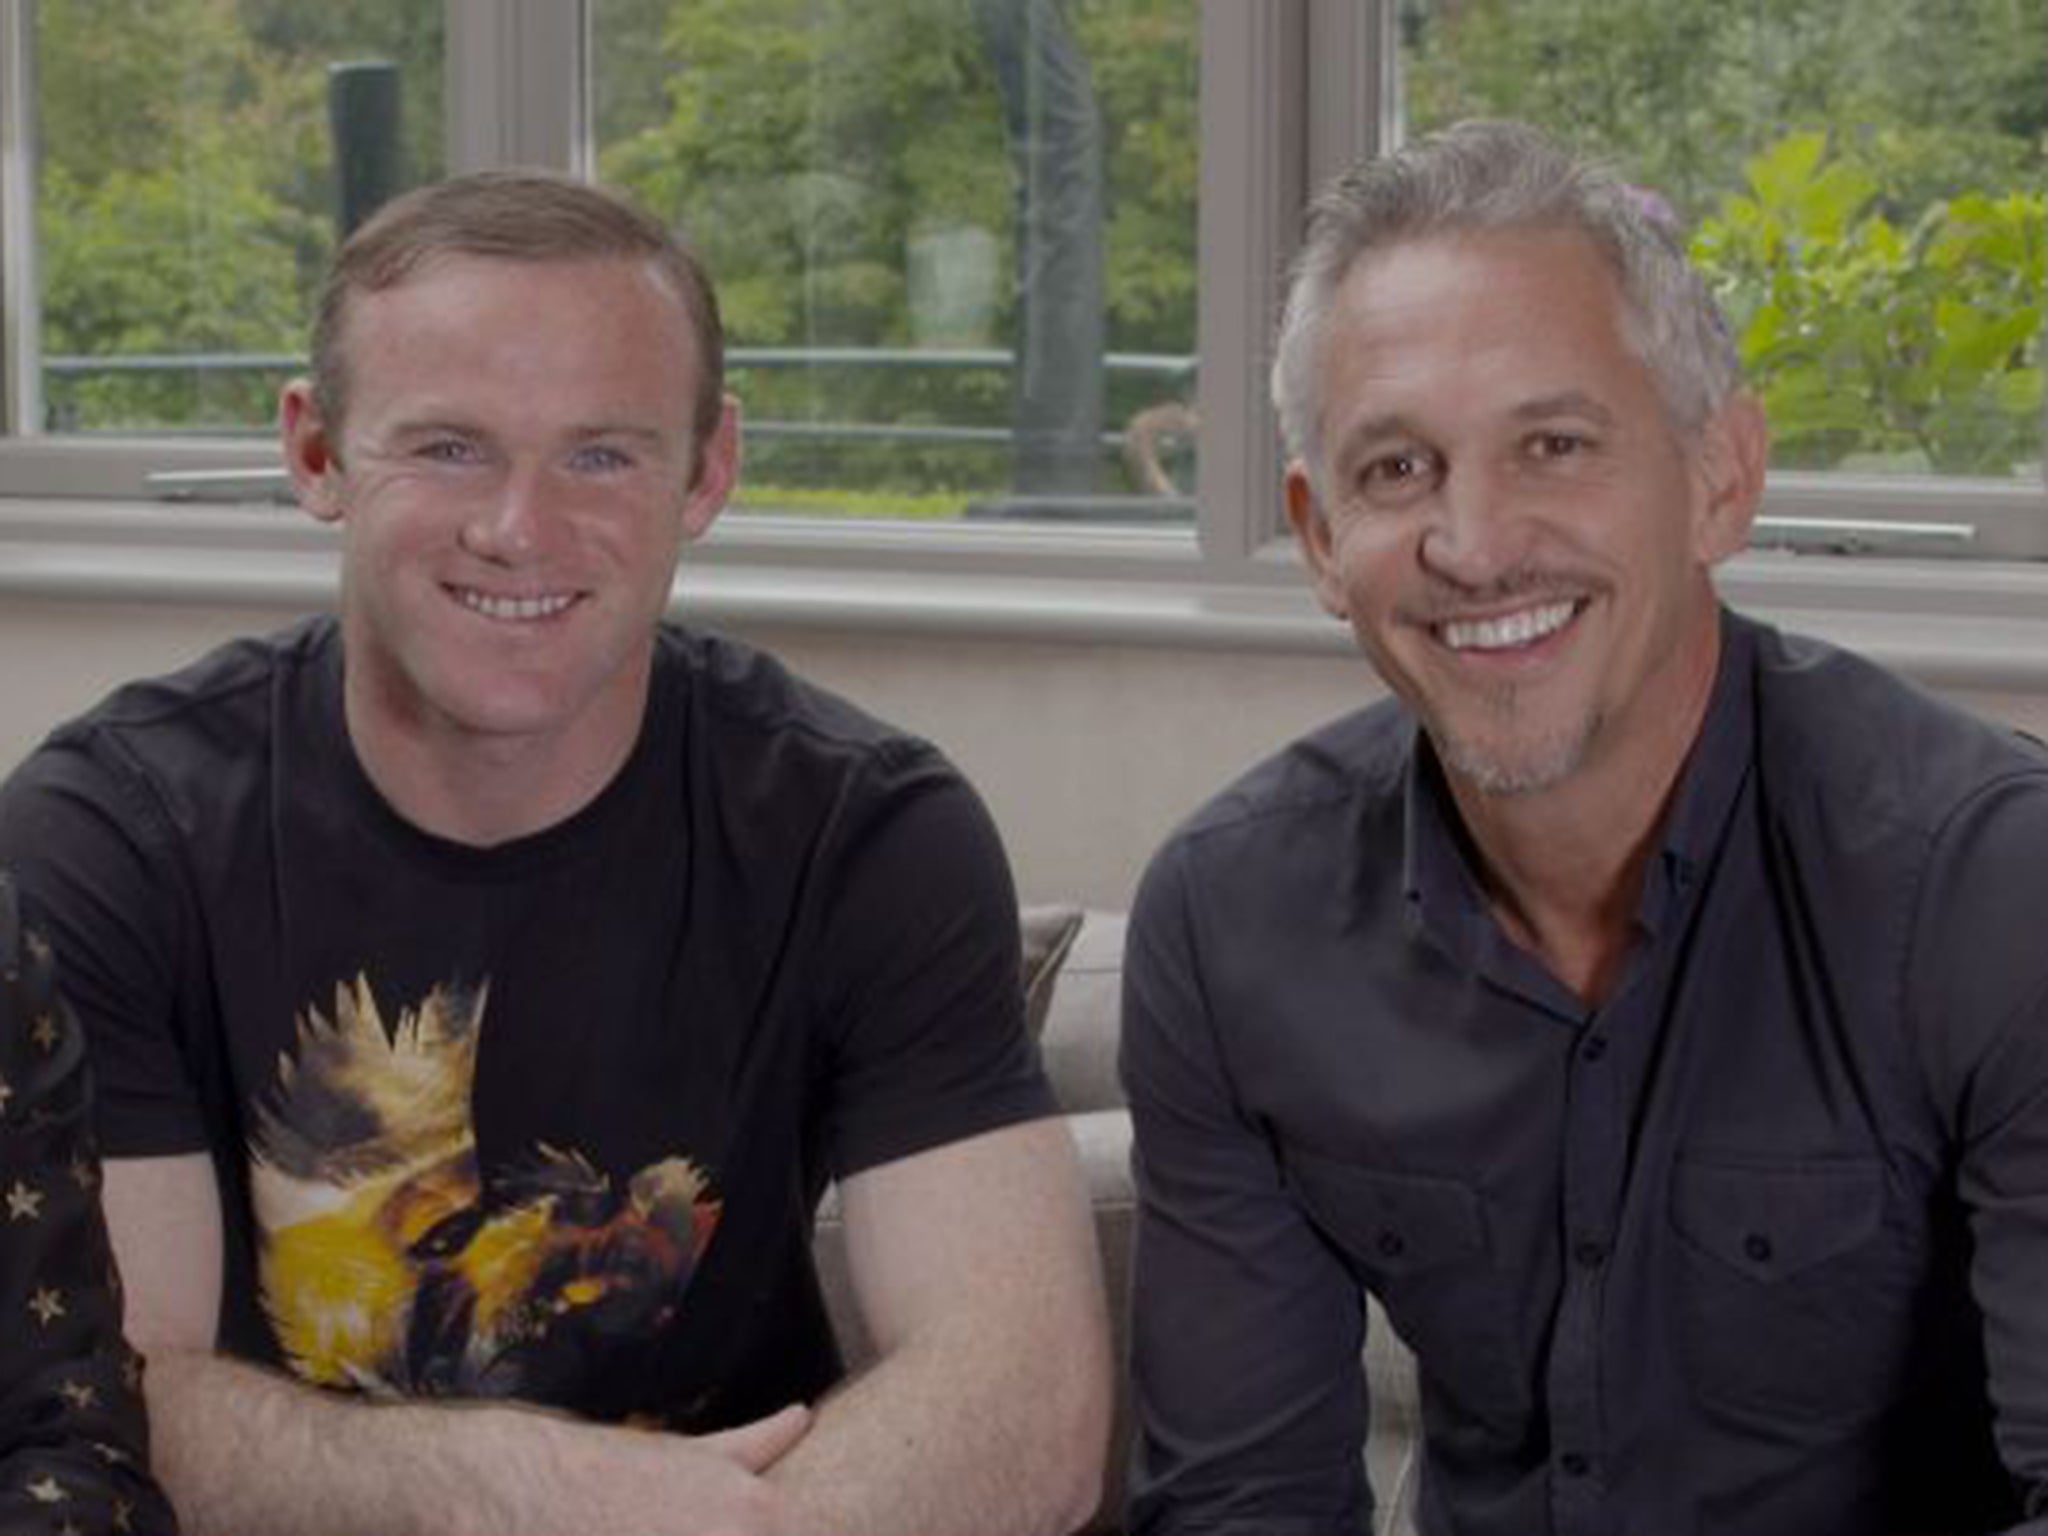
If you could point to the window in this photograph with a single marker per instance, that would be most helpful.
(193, 165)
(195, 168)
(994, 267)
(954, 239)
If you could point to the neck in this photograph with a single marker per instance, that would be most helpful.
(1562, 868)
(1575, 912)
(483, 790)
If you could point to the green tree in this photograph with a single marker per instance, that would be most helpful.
(186, 195)
(1865, 176)
(1684, 92)
(808, 146)
(1909, 346)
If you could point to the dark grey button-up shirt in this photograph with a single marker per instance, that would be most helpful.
(1760, 1245)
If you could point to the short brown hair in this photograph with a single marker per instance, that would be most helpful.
(513, 216)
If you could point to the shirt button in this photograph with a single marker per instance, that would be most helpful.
(1590, 1254)
(1757, 1247)
(1390, 1245)
(1594, 1048)
(1572, 1464)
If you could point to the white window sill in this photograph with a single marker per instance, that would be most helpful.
(1980, 625)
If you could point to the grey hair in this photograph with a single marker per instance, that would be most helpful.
(1495, 176)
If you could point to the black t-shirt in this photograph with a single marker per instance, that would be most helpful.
(545, 1120)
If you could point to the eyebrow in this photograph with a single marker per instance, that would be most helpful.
(1570, 402)
(653, 436)
(1370, 430)
(432, 426)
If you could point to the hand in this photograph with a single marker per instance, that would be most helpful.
(607, 1480)
(759, 1445)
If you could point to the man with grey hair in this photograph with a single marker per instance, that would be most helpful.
(1648, 1008)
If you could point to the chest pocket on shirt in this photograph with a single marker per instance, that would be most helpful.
(1794, 1301)
(1420, 1245)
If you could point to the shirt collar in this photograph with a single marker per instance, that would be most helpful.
(1714, 772)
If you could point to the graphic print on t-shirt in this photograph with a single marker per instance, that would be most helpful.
(391, 1264)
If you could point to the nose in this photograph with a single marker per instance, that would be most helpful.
(508, 522)
(1474, 534)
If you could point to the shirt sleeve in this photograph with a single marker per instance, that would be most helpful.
(91, 848)
(1978, 993)
(1246, 1329)
(925, 991)
(73, 1443)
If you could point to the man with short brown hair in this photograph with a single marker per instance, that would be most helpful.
(486, 984)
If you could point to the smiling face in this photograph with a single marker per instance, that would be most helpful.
(514, 478)
(1508, 519)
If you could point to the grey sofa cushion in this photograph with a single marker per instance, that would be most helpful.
(1078, 1042)
(1047, 933)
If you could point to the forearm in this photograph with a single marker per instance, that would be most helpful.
(987, 1412)
(949, 1435)
(244, 1452)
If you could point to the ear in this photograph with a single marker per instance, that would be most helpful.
(310, 454)
(1311, 527)
(716, 472)
(1728, 463)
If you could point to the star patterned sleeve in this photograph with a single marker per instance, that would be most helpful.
(73, 1441)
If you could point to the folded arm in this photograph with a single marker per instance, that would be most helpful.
(987, 1411)
(246, 1450)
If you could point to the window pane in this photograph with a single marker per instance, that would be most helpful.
(188, 197)
(1861, 178)
(954, 240)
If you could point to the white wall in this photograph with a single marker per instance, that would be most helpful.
(1087, 753)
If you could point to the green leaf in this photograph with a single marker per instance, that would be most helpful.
(2019, 392)
(1778, 173)
(1970, 342)
(1829, 200)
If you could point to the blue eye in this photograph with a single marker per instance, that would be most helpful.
(447, 450)
(600, 458)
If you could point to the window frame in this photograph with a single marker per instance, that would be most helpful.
(1291, 90)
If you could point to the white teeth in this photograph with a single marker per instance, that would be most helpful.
(1511, 629)
(516, 608)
